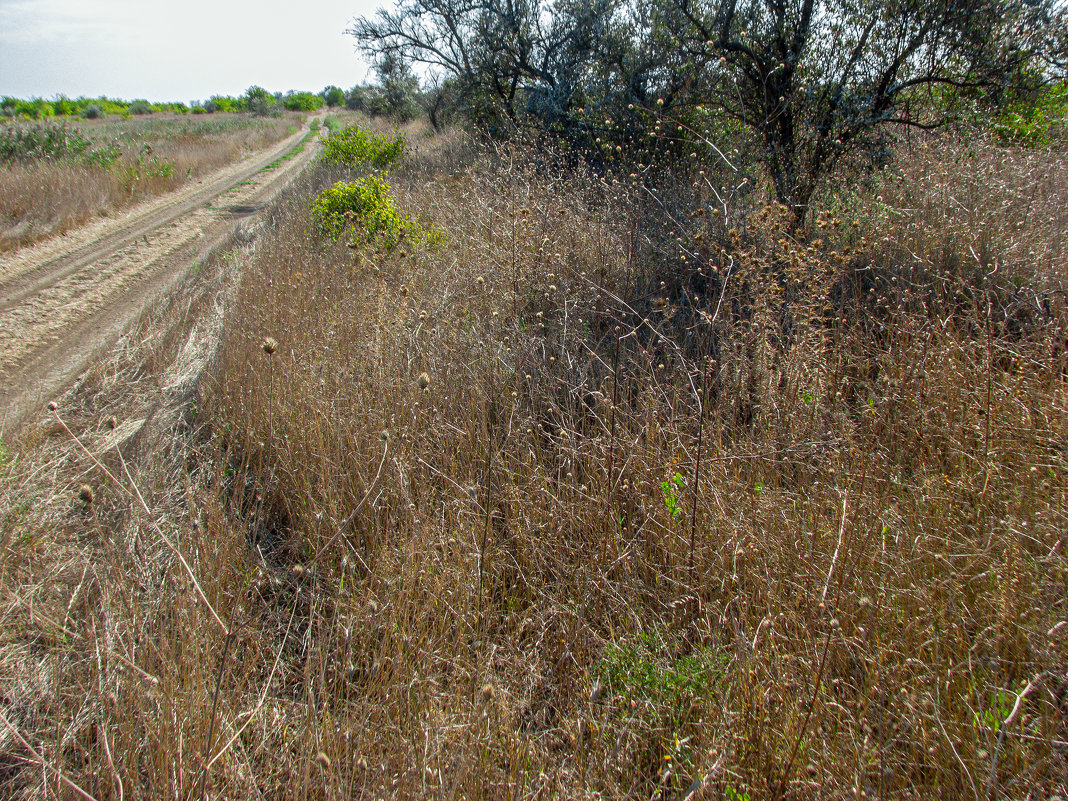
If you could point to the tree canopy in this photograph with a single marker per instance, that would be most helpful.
(813, 80)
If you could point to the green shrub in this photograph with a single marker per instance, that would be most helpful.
(364, 211)
(644, 671)
(1034, 121)
(49, 142)
(93, 112)
(140, 107)
(334, 96)
(303, 101)
(354, 147)
(221, 103)
(264, 108)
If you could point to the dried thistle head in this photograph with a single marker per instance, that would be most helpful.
(423, 381)
(270, 345)
(85, 494)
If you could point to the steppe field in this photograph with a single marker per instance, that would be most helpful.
(436, 466)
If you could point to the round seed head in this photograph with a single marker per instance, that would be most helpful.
(52, 406)
(270, 345)
(423, 381)
(85, 494)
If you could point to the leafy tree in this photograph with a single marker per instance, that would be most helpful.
(363, 98)
(258, 93)
(501, 53)
(302, 101)
(221, 103)
(815, 81)
(438, 99)
(399, 88)
(818, 80)
(64, 107)
(260, 102)
(333, 96)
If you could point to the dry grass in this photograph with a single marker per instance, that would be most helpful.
(44, 198)
(550, 512)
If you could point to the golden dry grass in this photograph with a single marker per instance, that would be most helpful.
(43, 198)
(548, 512)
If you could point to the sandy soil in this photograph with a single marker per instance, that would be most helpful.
(64, 299)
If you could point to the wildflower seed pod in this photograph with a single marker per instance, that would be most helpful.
(270, 345)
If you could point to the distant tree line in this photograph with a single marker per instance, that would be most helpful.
(88, 107)
(810, 82)
(397, 95)
(256, 100)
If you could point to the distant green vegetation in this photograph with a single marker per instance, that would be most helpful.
(333, 96)
(303, 101)
(54, 142)
(256, 100)
(59, 140)
(87, 107)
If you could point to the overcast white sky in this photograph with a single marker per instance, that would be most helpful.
(186, 50)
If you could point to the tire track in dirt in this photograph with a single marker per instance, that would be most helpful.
(62, 301)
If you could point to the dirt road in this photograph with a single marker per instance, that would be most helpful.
(64, 299)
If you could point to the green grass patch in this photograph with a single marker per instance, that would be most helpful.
(643, 670)
(289, 154)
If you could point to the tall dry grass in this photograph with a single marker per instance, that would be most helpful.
(547, 511)
(43, 198)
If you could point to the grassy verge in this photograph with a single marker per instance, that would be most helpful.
(547, 510)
